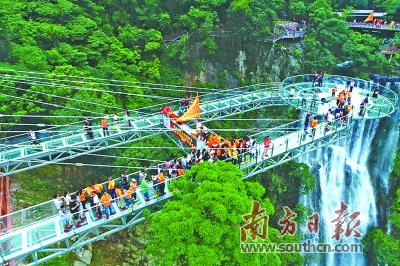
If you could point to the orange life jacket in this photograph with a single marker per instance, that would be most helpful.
(118, 191)
(180, 172)
(127, 193)
(104, 122)
(133, 186)
(90, 192)
(98, 188)
(105, 199)
(82, 196)
(111, 184)
(314, 123)
(161, 178)
(237, 142)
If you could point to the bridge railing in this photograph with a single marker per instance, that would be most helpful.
(304, 82)
(28, 216)
(40, 212)
(49, 133)
(47, 209)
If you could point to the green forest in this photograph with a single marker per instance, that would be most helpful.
(193, 43)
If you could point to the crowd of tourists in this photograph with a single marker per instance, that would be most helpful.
(100, 197)
(335, 116)
(123, 190)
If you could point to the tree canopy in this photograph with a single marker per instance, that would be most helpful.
(201, 225)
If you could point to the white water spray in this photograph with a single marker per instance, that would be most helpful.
(342, 175)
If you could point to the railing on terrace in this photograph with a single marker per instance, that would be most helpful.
(395, 27)
(290, 34)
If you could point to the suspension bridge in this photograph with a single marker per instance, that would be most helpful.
(38, 229)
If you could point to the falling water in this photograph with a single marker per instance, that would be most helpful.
(384, 165)
(342, 175)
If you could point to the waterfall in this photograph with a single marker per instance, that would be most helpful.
(384, 165)
(342, 175)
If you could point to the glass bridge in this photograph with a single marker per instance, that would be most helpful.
(69, 141)
(38, 229)
(382, 106)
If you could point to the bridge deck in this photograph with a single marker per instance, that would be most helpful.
(382, 106)
(41, 230)
(38, 228)
(62, 146)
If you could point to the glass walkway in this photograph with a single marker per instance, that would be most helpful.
(382, 106)
(38, 229)
(70, 141)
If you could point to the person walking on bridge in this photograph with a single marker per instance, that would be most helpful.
(145, 189)
(32, 137)
(111, 187)
(334, 90)
(267, 146)
(128, 197)
(161, 181)
(315, 78)
(64, 217)
(120, 200)
(304, 99)
(314, 124)
(123, 180)
(320, 79)
(106, 201)
(352, 83)
(185, 104)
(307, 122)
(74, 209)
(88, 128)
(291, 93)
(314, 99)
(82, 198)
(104, 124)
(362, 109)
(133, 188)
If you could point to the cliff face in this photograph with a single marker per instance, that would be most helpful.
(263, 62)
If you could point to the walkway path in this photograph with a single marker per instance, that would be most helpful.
(38, 228)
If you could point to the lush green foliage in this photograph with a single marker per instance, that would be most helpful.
(126, 40)
(395, 198)
(381, 248)
(207, 233)
(133, 41)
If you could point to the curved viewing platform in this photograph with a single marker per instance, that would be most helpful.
(382, 106)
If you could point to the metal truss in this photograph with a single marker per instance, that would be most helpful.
(97, 230)
(69, 152)
(69, 242)
(239, 102)
(125, 219)
(293, 153)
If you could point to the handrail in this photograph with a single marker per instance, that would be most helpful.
(330, 81)
(46, 210)
(48, 205)
(396, 27)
